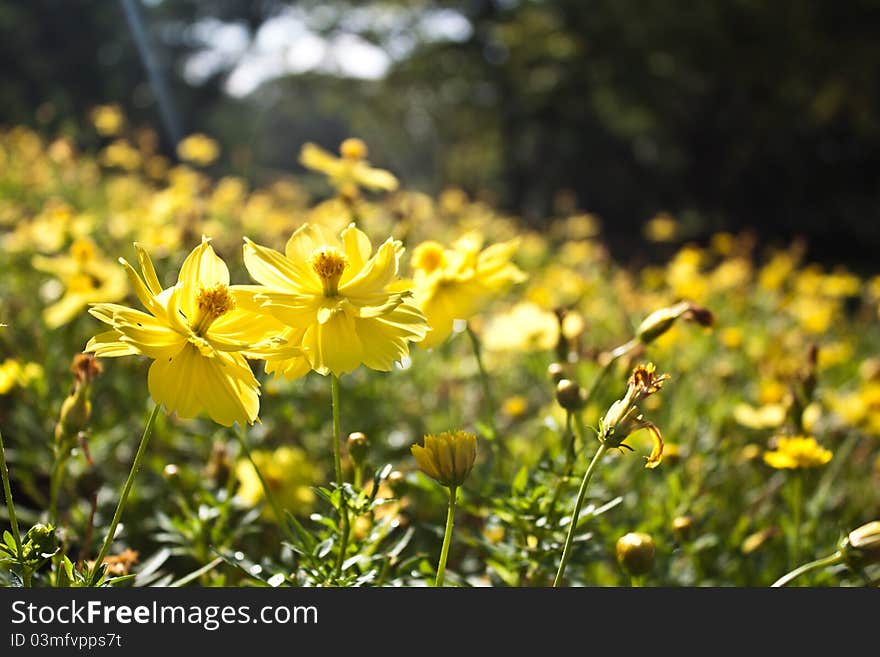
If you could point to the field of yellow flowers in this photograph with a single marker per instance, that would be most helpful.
(337, 381)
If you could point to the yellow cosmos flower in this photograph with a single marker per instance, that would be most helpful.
(796, 452)
(349, 172)
(87, 277)
(197, 332)
(341, 304)
(456, 283)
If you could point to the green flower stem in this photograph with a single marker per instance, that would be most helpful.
(613, 357)
(797, 503)
(7, 491)
(566, 550)
(337, 463)
(830, 560)
(447, 537)
(267, 491)
(123, 498)
(484, 380)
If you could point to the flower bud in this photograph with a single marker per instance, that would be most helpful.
(635, 552)
(397, 482)
(660, 321)
(569, 394)
(42, 540)
(862, 545)
(171, 472)
(358, 446)
(682, 528)
(447, 457)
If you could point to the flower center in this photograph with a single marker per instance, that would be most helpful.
(83, 250)
(328, 264)
(212, 303)
(428, 256)
(353, 149)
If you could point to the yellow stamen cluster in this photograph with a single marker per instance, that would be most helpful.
(428, 256)
(83, 250)
(328, 264)
(212, 303)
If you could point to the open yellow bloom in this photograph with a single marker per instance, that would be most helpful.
(456, 283)
(349, 172)
(197, 332)
(341, 303)
(87, 277)
(797, 452)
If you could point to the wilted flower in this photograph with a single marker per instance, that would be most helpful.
(623, 418)
(447, 457)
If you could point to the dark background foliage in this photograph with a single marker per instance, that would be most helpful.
(726, 114)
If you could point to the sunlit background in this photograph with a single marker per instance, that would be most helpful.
(726, 115)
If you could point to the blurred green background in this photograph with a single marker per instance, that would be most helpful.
(727, 114)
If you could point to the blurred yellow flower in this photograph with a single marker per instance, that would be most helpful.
(349, 172)
(289, 474)
(525, 327)
(13, 373)
(795, 452)
(120, 154)
(456, 283)
(86, 276)
(661, 227)
(198, 149)
(197, 332)
(108, 119)
(340, 302)
(767, 416)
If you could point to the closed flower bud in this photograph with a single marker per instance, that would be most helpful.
(171, 472)
(447, 457)
(862, 545)
(42, 540)
(569, 394)
(660, 321)
(635, 552)
(358, 446)
(75, 412)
